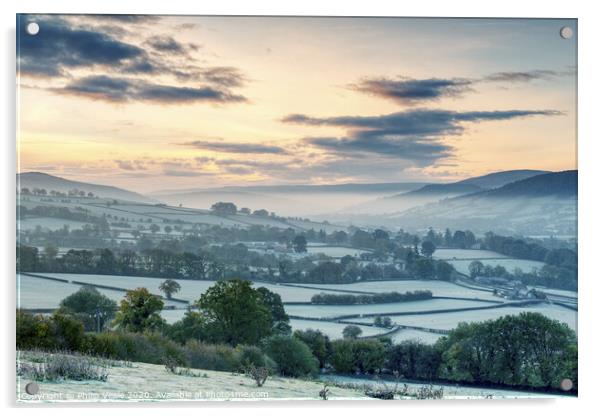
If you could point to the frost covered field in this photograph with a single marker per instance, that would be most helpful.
(461, 259)
(51, 224)
(333, 329)
(150, 382)
(332, 311)
(191, 289)
(438, 288)
(450, 320)
(336, 252)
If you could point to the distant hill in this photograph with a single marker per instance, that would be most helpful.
(497, 179)
(538, 205)
(54, 183)
(557, 184)
(430, 193)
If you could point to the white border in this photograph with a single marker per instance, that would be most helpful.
(589, 190)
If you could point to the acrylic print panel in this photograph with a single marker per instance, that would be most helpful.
(267, 208)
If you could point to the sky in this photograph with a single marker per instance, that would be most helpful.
(151, 103)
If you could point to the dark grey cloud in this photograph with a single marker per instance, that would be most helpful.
(64, 45)
(409, 91)
(235, 147)
(59, 47)
(113, 89)
(411, 135)
(126, 18)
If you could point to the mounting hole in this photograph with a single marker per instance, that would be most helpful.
(33, 28)
(566, 32)
(32, 388)
(566, 384)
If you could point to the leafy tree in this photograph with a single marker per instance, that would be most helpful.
(169, 287)
(191, 326)
(352, 331)
(90, 307)
(139, 311)
(154, 228)
(428, 248)
(300, 244)
(224, 208)
(476, 268)
(279, 318)
(235, 313)
(318, 342)
(292, 356)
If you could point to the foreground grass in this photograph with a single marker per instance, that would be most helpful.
(151, 382)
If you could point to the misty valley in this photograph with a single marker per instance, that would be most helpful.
(340, 282)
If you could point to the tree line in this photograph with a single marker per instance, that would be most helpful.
(367, 299)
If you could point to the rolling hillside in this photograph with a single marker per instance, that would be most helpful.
(54, 183)
(544, 203)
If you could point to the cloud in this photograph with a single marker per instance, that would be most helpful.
(526, 76)
(226, 76)
(414, 135)
(235, 147)
(167, 44)
(112, 89)
(58, 47)
(65, 45)
(409, 91)
(185, 173)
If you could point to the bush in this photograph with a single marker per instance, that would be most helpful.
(293, 358)
(56, 332)
(358, 355)
(150, 348)
(251, 356)
(217, 357)
(58, 367)
(414, 360)
(320, 344)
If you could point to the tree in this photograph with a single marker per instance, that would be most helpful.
(167, 229)
(273, 301)
(318, 342)
(154, 228)
(292, 356)
(169, 287)
(90, 307)
(352, 331)
(476, 268)
(245, 211)
(224, 208)
(428, 248)
(139, 311)
(235, 313)
(300, 244)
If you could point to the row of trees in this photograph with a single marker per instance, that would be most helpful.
(366, 299)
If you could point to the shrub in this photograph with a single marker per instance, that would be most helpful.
(251, 356)
(259, 374)
(56, 332)
(320, 344)
(293, 357)
(358, 355)
(58, 367)
(150, 348)
(218, 357)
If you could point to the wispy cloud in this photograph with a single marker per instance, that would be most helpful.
(409, 91)
(235, 147)
(120, 90)
(414, 135)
